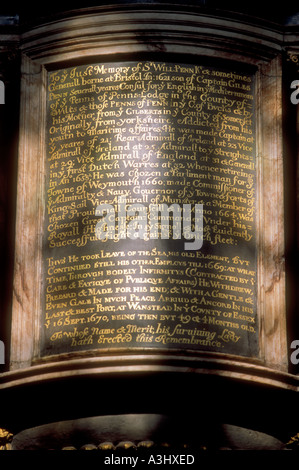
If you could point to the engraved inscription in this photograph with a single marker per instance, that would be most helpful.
(155, 133)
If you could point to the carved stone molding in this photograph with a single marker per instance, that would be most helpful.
(154, 433)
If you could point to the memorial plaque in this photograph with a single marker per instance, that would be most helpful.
(141, 134)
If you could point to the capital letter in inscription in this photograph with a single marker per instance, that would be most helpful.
(197, 235)
(105, 228)
(294, 95)
(2, 92)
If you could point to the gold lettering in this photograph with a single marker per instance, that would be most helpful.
(155, 133)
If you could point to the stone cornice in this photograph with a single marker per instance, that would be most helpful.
(94, 31)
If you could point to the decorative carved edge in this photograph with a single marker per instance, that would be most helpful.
(5, 439)
(141, 446)
(98, 31)
(97, 367)
(293, 443)
(294, 58)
